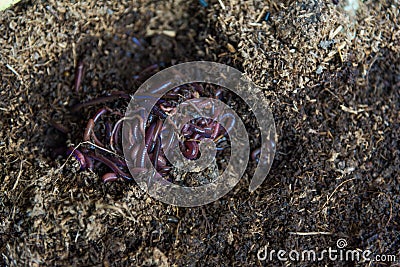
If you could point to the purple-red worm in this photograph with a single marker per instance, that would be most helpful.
(145, 138)
(78, 75)
(78, 156)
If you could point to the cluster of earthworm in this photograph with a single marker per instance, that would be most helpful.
(103, 135)
(103, 139)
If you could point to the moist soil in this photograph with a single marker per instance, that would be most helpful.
(330, 72)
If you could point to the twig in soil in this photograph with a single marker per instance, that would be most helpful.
(222, 4)
(13, 71)
(310, 233)
(350, 110)
(263, 15)
(19, 175)
(334, 191)
(329, 91)
(391, 208)
(255, 24)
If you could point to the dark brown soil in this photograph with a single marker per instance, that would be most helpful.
(332, 79)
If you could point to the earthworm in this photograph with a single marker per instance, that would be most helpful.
(215, 130)
(78, 75)
(149, 136)
(138, 130)
(156, 152)
(134, 152)
(171, 139)
(161, 161)
(110, 177)
(114, 133)
(78, 156)
(111, 165)
(89, 162)
(218, 93)
(142, 156)
(203, 122)
(191, 149)
(255, 154)
(129, 135)
(205, 132)
(100, 100)
(117, 160)
(108, 126)
(88, 130)
(96, 140)
(198, 88)
(60, 127)
(147, 70)
(164, 170)
(101, 112)
(159, 112)
(186, 130)
(168, 109)
(231, 120)
(158, 128)
(152, 134)
(144, 134)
